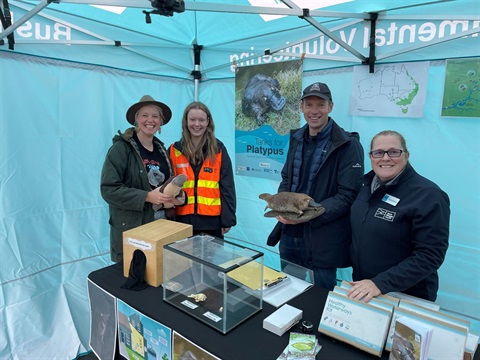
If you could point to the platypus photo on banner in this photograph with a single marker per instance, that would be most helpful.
(262, 94)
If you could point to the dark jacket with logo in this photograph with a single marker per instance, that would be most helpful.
(338, 179)
(400, 234)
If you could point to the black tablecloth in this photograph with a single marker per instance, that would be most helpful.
(248, 341)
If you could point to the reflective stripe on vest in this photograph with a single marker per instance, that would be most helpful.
(206, 195)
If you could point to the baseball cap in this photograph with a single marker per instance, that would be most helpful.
(318, 89)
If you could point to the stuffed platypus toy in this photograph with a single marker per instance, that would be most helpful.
(292, 206)
(172, 186)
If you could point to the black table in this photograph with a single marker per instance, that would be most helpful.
(248, 341)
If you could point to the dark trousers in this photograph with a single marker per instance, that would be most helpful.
(293, 249)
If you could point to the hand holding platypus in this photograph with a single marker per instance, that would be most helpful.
(172, 186)
(292, 206)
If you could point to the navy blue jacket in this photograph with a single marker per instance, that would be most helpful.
(337, 182)
(400, 247)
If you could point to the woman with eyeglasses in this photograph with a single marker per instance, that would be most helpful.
(400, 224)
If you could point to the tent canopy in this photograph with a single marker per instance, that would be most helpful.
(70, 69)
(210, 38)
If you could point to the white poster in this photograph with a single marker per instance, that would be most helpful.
(393, 90)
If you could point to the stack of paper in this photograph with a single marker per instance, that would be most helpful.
(248, 275)
(411, 340)
(450, 338)
(285, 291)
(415, 300)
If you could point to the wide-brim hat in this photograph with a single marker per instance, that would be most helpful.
(148, 100)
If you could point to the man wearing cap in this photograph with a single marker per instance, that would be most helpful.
(325, 162)
(136, 165)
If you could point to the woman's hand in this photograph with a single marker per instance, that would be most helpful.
(157, 198)
(363, 290)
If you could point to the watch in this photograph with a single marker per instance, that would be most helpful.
(306, 327)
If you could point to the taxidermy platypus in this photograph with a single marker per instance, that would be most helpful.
(290, 202)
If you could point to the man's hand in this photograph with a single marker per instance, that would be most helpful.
(288, 222)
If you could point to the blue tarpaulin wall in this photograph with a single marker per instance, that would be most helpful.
(60, 106)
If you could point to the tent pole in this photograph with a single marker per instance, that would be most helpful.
(39, 7)
(196, 82)
(6, 20)
(197, 75)
(370, 61)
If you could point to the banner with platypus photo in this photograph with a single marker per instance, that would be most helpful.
(267, 107)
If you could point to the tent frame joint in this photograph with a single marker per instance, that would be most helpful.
(306, 13)
(197, 75)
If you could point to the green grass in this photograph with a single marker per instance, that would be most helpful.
(281, 121)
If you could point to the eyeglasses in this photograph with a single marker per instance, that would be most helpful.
(393, 153)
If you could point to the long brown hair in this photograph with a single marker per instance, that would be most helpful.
(208, 147)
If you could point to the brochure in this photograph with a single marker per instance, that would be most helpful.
(448, 338)
(411, 340)
(284, 354)
(360, 324)
(302, 346)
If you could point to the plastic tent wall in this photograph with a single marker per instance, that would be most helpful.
(74, 71)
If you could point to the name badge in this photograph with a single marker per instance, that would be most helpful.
(392, 200)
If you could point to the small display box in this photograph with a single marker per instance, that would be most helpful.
(213, 280)
(150, 239)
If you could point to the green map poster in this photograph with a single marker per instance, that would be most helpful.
(461, 95)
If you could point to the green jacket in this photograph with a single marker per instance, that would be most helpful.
(124, 186)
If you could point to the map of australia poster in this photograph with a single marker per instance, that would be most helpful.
(461, 94)
(393, 90)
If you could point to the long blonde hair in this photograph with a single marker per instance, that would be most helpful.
(208, 141)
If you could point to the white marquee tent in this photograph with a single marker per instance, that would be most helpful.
(69, 69)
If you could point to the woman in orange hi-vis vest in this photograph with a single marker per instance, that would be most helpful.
(210, 187)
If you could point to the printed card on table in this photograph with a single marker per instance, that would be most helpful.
(357, 323)
(448, 337)
(183, 348)
(141, 337)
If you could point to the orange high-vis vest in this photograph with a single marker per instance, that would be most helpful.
(203, 194)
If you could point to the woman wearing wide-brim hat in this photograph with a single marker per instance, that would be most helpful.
(136, 166)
